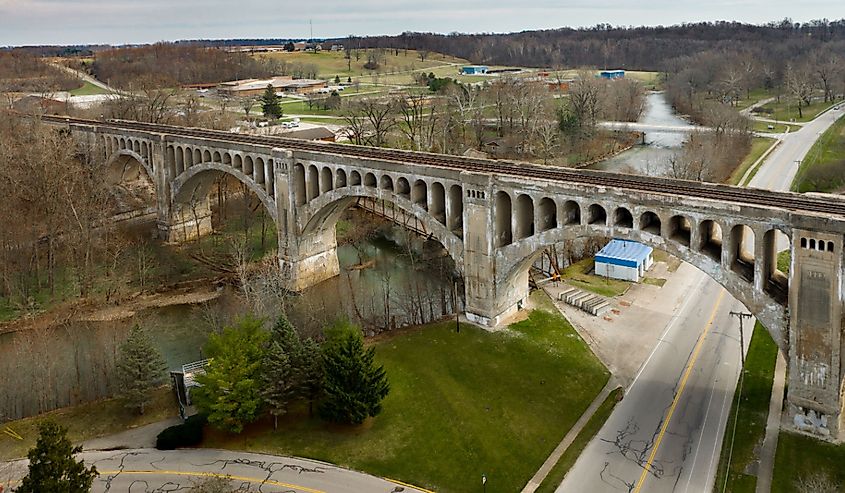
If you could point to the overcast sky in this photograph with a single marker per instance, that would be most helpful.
(25, 22)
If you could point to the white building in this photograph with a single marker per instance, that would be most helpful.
(624, 259)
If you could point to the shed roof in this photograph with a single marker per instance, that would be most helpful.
(624, 252)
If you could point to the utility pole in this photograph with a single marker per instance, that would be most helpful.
(741, 316)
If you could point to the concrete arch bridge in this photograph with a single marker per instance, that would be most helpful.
(495, 218)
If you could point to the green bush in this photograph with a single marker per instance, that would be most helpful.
(187, 434)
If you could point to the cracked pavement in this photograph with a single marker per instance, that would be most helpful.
(160, 471)
(690, 443)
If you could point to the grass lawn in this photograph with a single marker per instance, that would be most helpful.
(567, 460)
(752, 97)
(779, 128)
(787, 110)
(751, 427)
(800, 457)
(579, 275)
(86, 421)
(823, 168)
(88, 89)
(759, 145)
(460, 404)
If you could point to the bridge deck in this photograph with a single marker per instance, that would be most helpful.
(811, 204)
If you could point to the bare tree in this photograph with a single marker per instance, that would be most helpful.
(799, 85)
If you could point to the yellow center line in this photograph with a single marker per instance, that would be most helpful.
(687, 372)
(214, 475)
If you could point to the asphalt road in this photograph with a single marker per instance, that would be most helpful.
(666, 435)
(150, 470)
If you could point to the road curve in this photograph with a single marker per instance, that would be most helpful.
(150, 470)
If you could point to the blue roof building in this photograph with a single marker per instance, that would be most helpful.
(624, 259)
(612, 74)
(474, 69)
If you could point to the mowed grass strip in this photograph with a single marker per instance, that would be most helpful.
(567, 460)
(759, 145)
(754, 410)
(461, 405)
(823, 169)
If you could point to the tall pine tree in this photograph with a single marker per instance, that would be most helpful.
(140, 368)
(270, 104)
(230, 391)
(279, 381)
(312, 373)
(52, 467)
(354, 385)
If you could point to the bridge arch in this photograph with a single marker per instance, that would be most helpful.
(197, 180)
(765, 304)
(118, 167)
(321, 214)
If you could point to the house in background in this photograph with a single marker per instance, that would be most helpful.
(624, 259)
(474, 69)
(612, 74)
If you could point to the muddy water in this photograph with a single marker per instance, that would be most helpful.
(652, 158)
(406, 282)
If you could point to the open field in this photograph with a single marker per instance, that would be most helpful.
(88, 89)
(759, 145)
(580, 276)
(823, 168)
(86, 421)
(330, 64)
(754, 409)
(461, 404)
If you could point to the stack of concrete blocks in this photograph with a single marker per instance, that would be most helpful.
(591, 303)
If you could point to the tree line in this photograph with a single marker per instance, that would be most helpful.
(167, 64)
(21, 71)
(638, 48)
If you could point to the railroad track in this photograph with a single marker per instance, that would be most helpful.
(828, 205)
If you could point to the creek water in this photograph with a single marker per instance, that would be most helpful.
(405, 281)
(652, 158)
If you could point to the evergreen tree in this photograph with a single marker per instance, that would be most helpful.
(279, 381)
(349, 80)
(140, 368)
(337, 79)
(270, 104)
(354, 385)
(52, 467)
(312, 373)
(230, 392)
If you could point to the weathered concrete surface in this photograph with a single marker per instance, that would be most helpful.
(495, 225)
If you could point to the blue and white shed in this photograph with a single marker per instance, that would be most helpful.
(624, 259)
(474, 69)
(612, 74)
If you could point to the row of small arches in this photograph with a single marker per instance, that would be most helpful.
(818, 245)
(520, 218)
(113, 144)
(444, 205)
(258, 168)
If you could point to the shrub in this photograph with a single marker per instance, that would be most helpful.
(187, 434)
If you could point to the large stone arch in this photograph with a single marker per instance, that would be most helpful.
(514, 261)
(201, 177)
(320, 216)
(113, 160)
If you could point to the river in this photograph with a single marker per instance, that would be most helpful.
(652, 158)
(406, 281)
